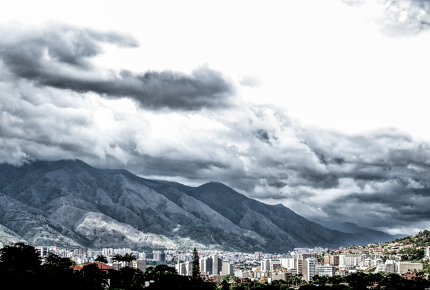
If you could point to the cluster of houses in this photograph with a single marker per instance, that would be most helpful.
(300, 263)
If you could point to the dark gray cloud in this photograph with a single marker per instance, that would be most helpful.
(378, 178)
(396, 201)
(59, 56)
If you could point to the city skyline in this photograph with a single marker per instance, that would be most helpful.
(318, 105)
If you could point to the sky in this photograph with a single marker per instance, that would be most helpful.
(319, 105)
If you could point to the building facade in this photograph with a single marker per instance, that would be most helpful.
(309, 269)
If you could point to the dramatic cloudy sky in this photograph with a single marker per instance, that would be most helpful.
(319, 105)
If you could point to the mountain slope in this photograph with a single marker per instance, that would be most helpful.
(276, 222)
(369, 235)
(71, 203)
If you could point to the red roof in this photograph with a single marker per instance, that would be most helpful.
(99, 265)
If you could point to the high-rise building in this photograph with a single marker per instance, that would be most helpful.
(309, 269)
(159, 256)
(258, 256)
(141, 256)
(326, 270)
(299, 266)
(265, 265)
(334, 260)
(106, 252)
(349, 261)
(211, 265)
(43, 251)
(185, 269)
(227, 268)
(140, 264)
(290, 263)
(216, 265)
(79, 251)
(206, 265)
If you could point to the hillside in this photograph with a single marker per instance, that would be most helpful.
(69, 203)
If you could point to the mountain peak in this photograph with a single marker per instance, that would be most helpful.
(113, 207)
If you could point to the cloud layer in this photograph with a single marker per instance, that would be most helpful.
(400, 17)
(55, 104)
(59, 56)
(406, 17)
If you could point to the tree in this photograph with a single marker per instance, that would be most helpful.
(101, 259)
(57, 274)
(196, 264)
(93, 277)
(19, 256)
(19, 266)
(127, 278)
(53, 260)
(117, 258)
(128, 258)
(224, 285)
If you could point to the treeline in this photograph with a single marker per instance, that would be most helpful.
(21, 267)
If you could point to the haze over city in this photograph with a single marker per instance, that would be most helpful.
(318, 105)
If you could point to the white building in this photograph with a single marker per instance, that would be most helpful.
(265, 265)
(349, 261)
(227, 268)
(326, 270)
(140, 264)
(211, 265)
(289, 263)
(309, 268)
(275, 265)
(389, 266)
(185, 269)
(216, 265)
(241, 274)
(403, 267)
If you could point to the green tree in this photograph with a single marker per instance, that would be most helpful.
(224, 285)
(196, 264)
(94, 278)
(57, 274)
(19, 256)
(128, 279)
(101, 259)
(128, 258)
(117, 258)
(19, 267)
(164, 277)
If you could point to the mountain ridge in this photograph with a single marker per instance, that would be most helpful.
(85, 206)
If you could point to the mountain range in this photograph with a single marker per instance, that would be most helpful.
(70, 204)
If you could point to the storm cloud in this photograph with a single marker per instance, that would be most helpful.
(59, 56)
(56, 104)
(378, 179)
